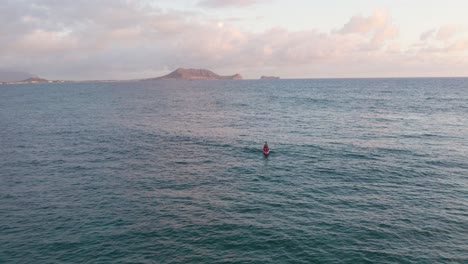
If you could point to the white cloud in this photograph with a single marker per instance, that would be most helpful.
(447, 32)
(446, 41)
(378, 27)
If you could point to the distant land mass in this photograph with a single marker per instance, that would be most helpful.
(179, 74)
(269, 78)
(35, 80)
(195, 74)
(14, 76)
(32, 80)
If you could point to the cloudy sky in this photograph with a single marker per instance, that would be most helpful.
(125, 39)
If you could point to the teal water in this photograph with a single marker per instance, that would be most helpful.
(361, 171)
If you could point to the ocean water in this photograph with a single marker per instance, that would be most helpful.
(360, 171)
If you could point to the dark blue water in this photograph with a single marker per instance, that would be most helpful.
(361, 171)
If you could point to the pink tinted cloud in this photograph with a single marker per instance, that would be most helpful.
(364, 25)
(378, 27)
(448, 40)
(447, 32)
(444, 33)
(459, 45)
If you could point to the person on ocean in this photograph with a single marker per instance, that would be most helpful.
(265, 147)
(266, 150)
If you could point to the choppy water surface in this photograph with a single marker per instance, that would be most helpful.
(360, 171)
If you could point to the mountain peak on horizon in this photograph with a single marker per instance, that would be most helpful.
(195, 74)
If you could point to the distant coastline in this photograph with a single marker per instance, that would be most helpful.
(201, 75)
(178, 74)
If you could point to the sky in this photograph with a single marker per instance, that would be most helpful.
(131, 39)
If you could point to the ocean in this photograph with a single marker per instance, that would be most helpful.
(360, 171)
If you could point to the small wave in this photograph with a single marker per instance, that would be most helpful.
(447, 164)
(358, 156)
(394, 150)
(420, 135)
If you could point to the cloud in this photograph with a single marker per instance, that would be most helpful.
(378, 26)
(228, 3)
(458, 45)
(364, 25)
(444, 33)
(45, 42)
(447, 32)
(447, 40)
(111, 39)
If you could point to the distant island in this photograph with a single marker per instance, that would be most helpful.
(19, 77)
(195, 74)
(33, 80)
(269, 78)
(179, 74)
